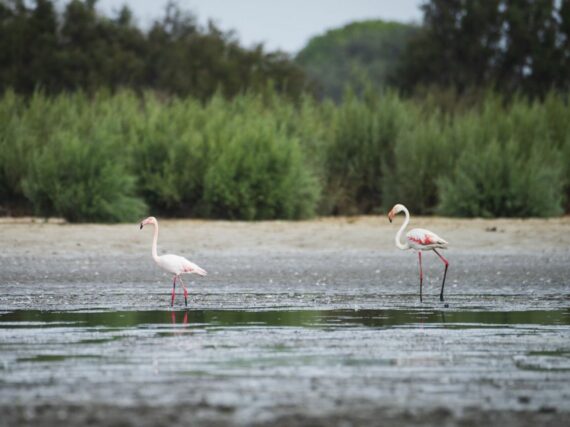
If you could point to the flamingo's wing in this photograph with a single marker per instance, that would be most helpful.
(422, 237)
(190, 267)
(179, 265)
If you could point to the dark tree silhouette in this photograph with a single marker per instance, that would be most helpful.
(81, 49)
(512, 46)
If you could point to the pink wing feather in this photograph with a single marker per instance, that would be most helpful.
(179, 265)
(420, 237)
(190, 267)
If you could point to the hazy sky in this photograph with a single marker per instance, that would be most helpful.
(284, 24)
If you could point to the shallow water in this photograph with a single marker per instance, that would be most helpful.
(292, 318)
(311, 339)
(253, 366)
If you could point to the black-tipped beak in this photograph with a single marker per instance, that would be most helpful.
(141, 226)
(389, 219)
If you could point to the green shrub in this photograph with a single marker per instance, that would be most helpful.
(12, 137)
(258, 173)
(81, 181)
(262, 156)
(510, 163)
(169, 156)
(365, 132)
(557, 114)
(423, 152)
(497, 180)
(27, 126)
(225, 159)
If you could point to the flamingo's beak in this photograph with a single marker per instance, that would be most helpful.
(390, 216)
(141, 226)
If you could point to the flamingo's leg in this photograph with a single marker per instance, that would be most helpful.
(173, 292)
(421, 273)
(446, 262)
(185, 292)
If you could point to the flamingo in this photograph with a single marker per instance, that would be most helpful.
(419, 240)
(174, 264)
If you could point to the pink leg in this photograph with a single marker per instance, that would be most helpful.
(173, 292)
(421, 273)
(446, 262)
(185, 292)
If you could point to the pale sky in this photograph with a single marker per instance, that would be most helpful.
(285, 24)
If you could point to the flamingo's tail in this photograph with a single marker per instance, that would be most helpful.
(443, 243)
(200, 271)
(192, 268)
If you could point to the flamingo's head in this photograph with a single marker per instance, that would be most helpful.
(395, 211)
(150, 220)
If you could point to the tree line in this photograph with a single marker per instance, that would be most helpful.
(463, 46)
(79, 49)
(520, 46)
(508, 46)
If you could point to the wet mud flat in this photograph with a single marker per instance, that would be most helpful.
(306, 367)
(284, 331)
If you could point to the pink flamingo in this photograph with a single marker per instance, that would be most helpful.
(174, 264)
(419, 240)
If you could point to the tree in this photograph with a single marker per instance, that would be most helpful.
(509, 45)
(82, 50)
(28, 43)
(354, 55)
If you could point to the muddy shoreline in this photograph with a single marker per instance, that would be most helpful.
(375, 366)
(47, 415)
(22, 236)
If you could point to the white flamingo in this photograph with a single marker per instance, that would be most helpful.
(419, 240)
(174, 264)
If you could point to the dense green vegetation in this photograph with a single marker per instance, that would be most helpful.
(102, 121)
(353, 56)
(112, 157)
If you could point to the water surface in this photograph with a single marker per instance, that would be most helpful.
(292, 318)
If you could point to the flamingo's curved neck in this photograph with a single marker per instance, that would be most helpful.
(154, 242)
(399, 244)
